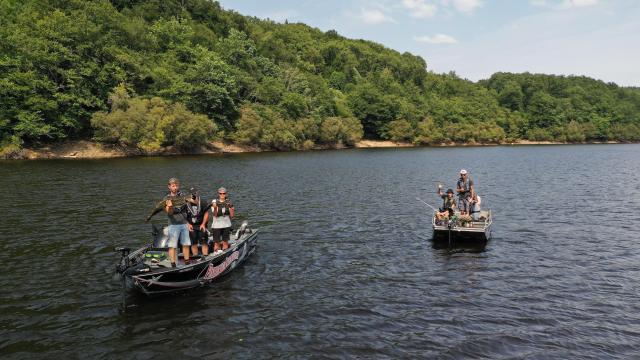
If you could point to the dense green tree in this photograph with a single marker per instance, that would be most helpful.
(345, 130)
(150, 124)
(428, 133)
(511, 96)
(249, 127)
(258, 82)
(294, 105)
(399, 130)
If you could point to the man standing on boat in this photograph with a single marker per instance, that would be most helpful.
(175, 205)
(198, 217)
(223, 211)
(464, 188)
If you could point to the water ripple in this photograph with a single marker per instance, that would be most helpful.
(344, 266)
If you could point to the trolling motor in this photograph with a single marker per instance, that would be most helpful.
(124, 259)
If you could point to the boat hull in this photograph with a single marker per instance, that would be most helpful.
(156, 281)
(474, 232)
(445, 234)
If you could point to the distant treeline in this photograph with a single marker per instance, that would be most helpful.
(153, 73)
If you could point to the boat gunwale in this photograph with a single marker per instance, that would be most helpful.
(487, 224)
(190, 267)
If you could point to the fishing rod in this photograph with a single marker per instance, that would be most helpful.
(424, 202)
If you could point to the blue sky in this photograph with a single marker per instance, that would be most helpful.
(476, 38)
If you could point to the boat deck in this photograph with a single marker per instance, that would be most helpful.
(165, 263)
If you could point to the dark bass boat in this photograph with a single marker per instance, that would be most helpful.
(459, 230)
(149, 270)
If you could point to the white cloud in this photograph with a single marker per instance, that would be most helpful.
(563, 4)
(468, 6)
(420, 8)
(551, 42)
(566, 4)
(436, 39)
(428, 8)
(538, 2)
(374, 16)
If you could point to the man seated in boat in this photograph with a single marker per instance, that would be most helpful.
(448, 204)
(475, 207)
(466, 192)
(175, 205)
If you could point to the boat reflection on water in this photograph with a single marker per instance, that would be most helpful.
(470, 246)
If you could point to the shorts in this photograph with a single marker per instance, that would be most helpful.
(463, 204)
(197, 236)
(178, 233)
(221, 234)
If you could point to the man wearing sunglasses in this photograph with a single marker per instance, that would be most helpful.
(175, 205)
(464, 188)
(223, 211)
(198, 217)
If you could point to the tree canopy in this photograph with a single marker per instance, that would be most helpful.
(192, 71)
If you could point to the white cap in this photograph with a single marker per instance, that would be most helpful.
(463, 172)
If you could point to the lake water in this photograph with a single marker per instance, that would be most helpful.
(344, 266)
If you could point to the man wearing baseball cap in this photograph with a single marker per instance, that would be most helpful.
(175, 205)
(464, 188)
(198, 217)
(223, 211)
(448, 204)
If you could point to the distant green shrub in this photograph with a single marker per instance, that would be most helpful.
(346, 130)
(150, 124)
(307, 129)
(249, 127)
(307, 145)
(399, 130)
(428, 133)
(10, 147)
(352, 131)
(537, 134)
(574, 132)
(278, 134)
(489, 133)
(625, 132)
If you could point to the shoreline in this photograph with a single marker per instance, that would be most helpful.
(85, 149)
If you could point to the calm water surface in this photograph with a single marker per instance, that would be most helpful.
(344, 266)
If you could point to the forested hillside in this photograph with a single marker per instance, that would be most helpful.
(155, 73)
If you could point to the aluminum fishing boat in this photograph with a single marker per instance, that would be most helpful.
(148, 269)
(456, 231)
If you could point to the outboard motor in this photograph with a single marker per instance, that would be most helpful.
(242, 229)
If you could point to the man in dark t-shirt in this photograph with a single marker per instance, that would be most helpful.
(466, 192)
(198, 217)
(448, 204)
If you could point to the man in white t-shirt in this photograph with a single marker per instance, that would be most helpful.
(222, 211)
